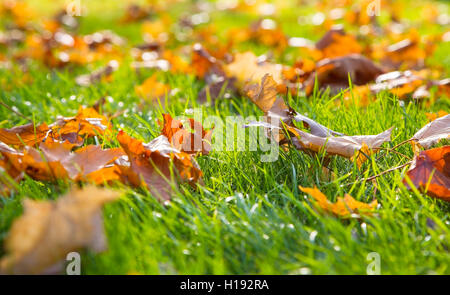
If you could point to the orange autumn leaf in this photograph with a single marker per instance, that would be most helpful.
(152, 89)
(156, 30)
(434, 116)
(28, 134)
(359, 95)
(56, 161)
(87, 123)
(150, 164)
(336, 43)
(430, 171)
(268, 32)
(203, 61)
(406, 53)
(10, 168)
(108, 174)
(344, 207)
(177, 63)
(190, 141)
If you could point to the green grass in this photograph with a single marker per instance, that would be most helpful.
(249, 217)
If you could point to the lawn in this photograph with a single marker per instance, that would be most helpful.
(248, 216)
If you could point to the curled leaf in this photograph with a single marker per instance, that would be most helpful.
(345, 146)
(334, 73)
(28, 134)
(433, 132)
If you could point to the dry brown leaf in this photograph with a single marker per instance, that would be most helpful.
(334, 73)
(10, 168)
(56, 161)
(345, 146)
(193, 141)
(430, 171)
(265, 97)
(28, 134)
(41, 238)
(150, 164)
(433, 132)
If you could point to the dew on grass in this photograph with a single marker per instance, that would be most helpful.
(313, 235)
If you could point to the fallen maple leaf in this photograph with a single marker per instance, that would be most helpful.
(28, 134)
(55, 161)
(344, 207)
(336, 43)
(150, 164)
(10, 168)
(334, 73)
(265, 97)
(190, 141)
(40, 239)
(87, 123)
(430, 171)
